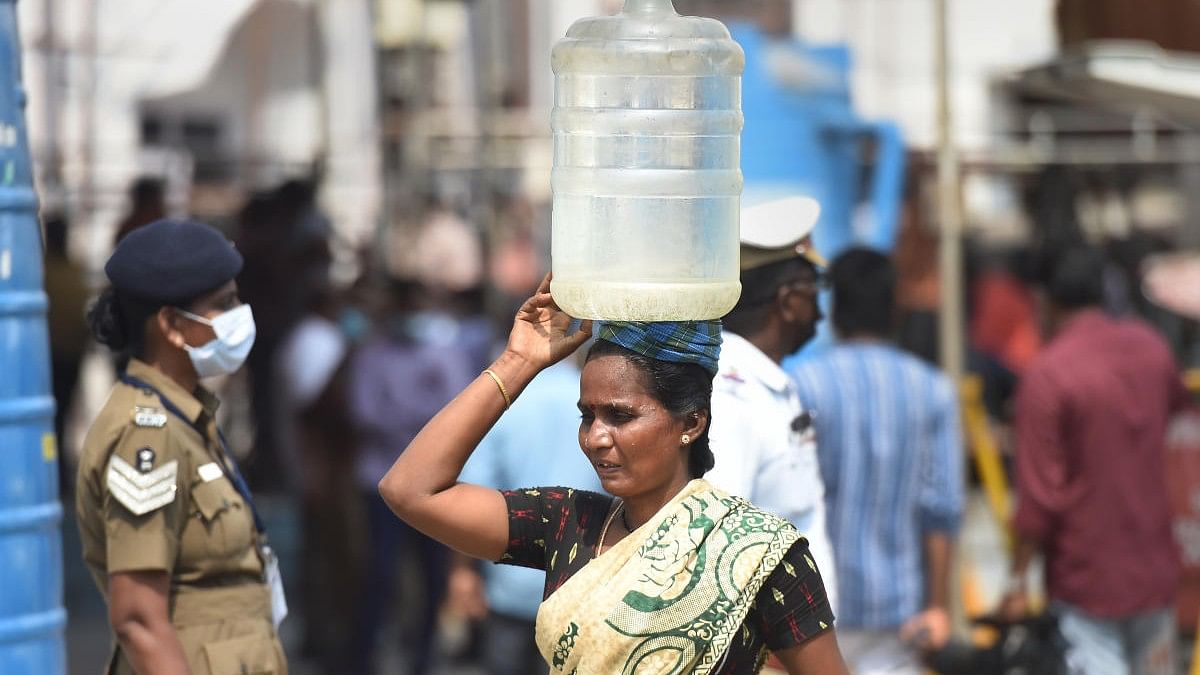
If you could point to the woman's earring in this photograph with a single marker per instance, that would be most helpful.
(686, 439)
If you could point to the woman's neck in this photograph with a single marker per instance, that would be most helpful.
(174, 365)
(640, 509)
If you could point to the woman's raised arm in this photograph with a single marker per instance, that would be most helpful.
(422, 487)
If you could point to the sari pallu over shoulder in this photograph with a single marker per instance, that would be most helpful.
(669, 598)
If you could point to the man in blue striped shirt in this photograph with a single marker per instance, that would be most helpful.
(891, 457)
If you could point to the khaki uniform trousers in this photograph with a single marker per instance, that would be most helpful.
(224, 631)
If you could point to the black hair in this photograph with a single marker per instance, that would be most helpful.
(760, 288)
(1076, 278)
(118, 321)
(864, 293)
(147, 191)
(684, 389)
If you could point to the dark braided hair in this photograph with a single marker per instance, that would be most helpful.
(684, 389)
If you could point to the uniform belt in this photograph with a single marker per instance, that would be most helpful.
(223, 581)
(200, 605)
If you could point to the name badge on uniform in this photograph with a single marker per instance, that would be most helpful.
(149, 417)
(209, 472)
(279, 608)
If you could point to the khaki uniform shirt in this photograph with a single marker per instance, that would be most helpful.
(153, 494)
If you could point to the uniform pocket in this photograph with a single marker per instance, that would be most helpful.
(221, 526)
(211, 499)
(251, 655)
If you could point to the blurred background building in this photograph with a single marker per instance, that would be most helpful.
(215, 99)
(410, 139)
(394, 105)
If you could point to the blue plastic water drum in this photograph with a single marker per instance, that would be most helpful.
(32, 618)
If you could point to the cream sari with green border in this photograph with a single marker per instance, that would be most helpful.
(669, 598)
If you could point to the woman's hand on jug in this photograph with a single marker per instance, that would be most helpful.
(540, 332)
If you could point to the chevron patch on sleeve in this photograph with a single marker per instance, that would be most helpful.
(142, 493)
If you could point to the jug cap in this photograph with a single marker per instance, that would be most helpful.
(649, 7)
(648, 38)
(648, 19)
(778, 230)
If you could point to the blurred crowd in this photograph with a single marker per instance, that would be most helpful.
(340, 379)
(345, 372)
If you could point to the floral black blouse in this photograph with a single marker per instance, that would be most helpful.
(558, 529)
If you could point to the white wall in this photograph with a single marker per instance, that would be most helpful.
(352, 193)
(181, 55)
(893, 47)
(550, 20)
(113, 53)
(264, 87)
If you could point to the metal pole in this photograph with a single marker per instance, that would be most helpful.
(88, 74)
(258, 82)
(51, 75)
(950, 268)
(950, 319)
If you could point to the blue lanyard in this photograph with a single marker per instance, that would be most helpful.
(229, 467)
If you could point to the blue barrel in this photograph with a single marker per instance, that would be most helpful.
(32, 618)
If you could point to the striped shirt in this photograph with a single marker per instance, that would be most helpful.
(891, 456)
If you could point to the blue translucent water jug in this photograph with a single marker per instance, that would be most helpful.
(647, 183)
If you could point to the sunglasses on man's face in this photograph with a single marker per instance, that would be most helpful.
(816, 283)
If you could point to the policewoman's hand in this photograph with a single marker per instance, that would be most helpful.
(540, 332)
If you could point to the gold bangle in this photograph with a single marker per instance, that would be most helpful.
(503, 389)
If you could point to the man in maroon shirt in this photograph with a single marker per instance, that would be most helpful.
(1091, 419)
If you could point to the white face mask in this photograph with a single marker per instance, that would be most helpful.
(227, 352)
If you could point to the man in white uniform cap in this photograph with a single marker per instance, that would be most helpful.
(763, 439)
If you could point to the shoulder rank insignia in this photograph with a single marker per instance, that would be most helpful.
(149, 417)
(141, 492)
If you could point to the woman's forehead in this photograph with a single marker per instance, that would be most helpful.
(610, 377)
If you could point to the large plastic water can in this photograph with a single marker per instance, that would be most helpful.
(32, 618)
(647, 182)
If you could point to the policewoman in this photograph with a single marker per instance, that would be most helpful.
(169, 529)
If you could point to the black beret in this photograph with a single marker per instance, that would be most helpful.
(172, 261)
